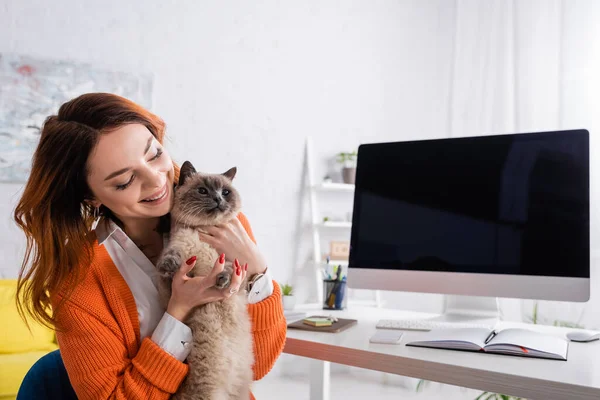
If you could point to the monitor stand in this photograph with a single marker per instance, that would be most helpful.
(470, 309)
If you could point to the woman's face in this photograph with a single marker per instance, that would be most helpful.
(131, 174)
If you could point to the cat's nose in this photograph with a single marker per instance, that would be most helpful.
(217, 200)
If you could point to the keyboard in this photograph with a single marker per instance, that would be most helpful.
(425, 324)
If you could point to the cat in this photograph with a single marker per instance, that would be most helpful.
(221, 357)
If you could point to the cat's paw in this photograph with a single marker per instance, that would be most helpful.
(168, 264)
(224, 278)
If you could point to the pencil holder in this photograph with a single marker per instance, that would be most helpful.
(334, 294)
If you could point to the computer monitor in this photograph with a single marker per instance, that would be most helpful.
(493, 216)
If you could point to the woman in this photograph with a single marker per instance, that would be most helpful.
(101, 159)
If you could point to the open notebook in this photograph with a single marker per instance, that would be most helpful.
(518, 342)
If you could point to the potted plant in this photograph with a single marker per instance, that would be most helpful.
(289, 301)
(348, 162)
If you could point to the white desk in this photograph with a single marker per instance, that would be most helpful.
(577, 378)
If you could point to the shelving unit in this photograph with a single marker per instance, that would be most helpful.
(315, 188)
(334, 187)
(335, 224)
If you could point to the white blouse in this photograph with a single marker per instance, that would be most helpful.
(141, 276)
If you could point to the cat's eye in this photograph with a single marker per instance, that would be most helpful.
(225, 192)
(202, 190)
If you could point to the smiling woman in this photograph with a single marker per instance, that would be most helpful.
(143, 186)
(137, 193)
(91, 137)
(101, 159)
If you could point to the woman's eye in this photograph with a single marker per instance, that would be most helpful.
(202, 191)
(159, 153)
(126, 185)
(225, 192)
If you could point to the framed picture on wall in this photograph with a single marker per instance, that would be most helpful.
(339, 250)
(32, 88)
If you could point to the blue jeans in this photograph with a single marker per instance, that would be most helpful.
(47, 379)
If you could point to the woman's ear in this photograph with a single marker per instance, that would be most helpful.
(93, 203)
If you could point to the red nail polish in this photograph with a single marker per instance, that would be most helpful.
(222, 258)
(236, 263)
(191, 260)
(246, 267)
(238, 271)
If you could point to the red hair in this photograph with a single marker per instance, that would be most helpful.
(54, 211)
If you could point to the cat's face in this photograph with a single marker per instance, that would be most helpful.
(205, 199)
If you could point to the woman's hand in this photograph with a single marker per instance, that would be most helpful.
(232, 239)
(187, 293)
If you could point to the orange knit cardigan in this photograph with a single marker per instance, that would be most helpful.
(99, 338)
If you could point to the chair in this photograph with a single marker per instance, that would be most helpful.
(47, 379)
(22, 342)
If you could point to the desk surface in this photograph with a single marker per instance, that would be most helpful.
(577, 378)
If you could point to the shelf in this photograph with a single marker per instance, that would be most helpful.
(334, 187)
(336, 224)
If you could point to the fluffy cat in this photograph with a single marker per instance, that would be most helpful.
(221, 357)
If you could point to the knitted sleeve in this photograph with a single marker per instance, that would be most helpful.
(246, 224)
(96, 358)
(269, 326)
(268, 332)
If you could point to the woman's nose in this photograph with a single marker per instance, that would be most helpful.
(154, 178)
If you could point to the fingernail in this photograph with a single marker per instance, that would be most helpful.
(222, 258)
(238, 271)
(246, 267)
(191, 260)
(236, 263)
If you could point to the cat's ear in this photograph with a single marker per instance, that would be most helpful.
(230, 173)
(187, 170)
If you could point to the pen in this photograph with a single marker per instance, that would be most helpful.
(490, 336)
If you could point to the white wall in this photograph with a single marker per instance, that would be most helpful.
(12, 240)
(243, 83)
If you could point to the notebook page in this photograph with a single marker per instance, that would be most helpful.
(530, 340)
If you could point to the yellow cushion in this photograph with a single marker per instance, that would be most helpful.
(13, 368)
(15, 337)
